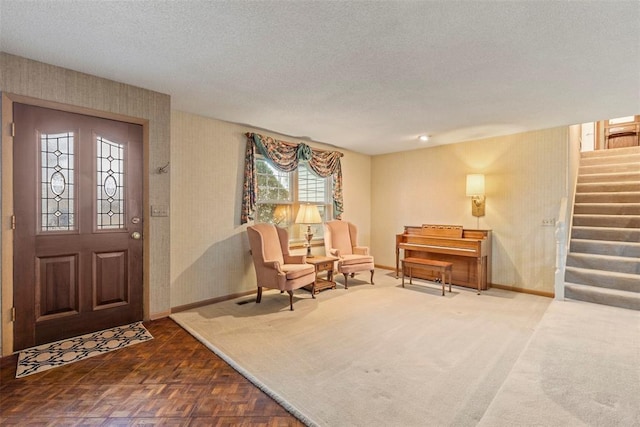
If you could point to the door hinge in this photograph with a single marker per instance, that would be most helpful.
(13, 222)
(13, 129)
(13, 314)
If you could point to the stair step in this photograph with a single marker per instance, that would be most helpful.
(612, 297)
(606, 233)
(603, 279)
(612, 152)
(615, 168)
(605, 247)
(609, 177)
(607, 197)
(608, 187)
(614, 221)
(610, 160)
(620, 221)
(607, 208)
(619, 264)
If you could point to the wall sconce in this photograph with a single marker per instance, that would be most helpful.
(308, 214)
(475, 190)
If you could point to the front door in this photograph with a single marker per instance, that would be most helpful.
(78, 224)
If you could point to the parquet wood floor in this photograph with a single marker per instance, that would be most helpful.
(172, 380)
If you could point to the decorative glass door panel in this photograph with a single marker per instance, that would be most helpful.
(110, 184)
(57, 178)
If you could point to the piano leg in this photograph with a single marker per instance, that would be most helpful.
(479, 274)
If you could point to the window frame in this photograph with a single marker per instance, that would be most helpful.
(297, 231)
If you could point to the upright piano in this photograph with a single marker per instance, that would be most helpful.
(468, 250)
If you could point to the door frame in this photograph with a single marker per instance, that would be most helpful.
(6, 323)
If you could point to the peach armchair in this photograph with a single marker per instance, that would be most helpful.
(340, 240)
(275, 267)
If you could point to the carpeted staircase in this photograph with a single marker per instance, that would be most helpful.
(603, 263)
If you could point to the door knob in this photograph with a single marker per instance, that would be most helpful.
(136, 235)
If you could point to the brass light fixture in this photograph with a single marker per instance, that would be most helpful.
(475, 190)
(308, 214)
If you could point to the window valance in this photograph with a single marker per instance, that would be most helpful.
(285, 156)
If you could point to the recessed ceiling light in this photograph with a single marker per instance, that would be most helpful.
(424, 138)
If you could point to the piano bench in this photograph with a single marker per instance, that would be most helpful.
(442, 267)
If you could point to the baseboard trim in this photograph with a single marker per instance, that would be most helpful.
(160, 315)
(524, 290)
(210, 301)
(198, 304)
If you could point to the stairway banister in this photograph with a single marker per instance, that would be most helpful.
(562, 246)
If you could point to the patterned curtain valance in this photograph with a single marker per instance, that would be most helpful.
(285, 156)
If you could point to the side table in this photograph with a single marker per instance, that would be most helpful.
(322, 263)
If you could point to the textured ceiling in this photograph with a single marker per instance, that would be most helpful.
(363, 75)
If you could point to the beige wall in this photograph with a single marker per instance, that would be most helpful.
(525, 175)
(23, 79)
(209, 248)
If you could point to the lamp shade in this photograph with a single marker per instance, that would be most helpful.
(280, 213)
(475, 185)
(308, 214)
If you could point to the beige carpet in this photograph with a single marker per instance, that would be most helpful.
(375, 355)
(581, 368)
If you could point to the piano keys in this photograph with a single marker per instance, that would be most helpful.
(469, 251)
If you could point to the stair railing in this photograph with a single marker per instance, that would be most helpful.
(562, 246)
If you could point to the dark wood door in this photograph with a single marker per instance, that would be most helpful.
(78, 208)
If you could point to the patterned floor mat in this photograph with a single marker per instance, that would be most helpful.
(47, 356)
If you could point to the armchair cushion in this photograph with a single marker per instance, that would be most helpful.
(294, 271)
(355, 259)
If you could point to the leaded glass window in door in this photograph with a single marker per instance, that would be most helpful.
(57, 182)
(110, 184)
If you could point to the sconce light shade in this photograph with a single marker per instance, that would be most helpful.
(308, 214)
(475, 190)
(475, 185)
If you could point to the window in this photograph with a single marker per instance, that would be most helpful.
(281, 193)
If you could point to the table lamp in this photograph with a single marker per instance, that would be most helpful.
(308, 214)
